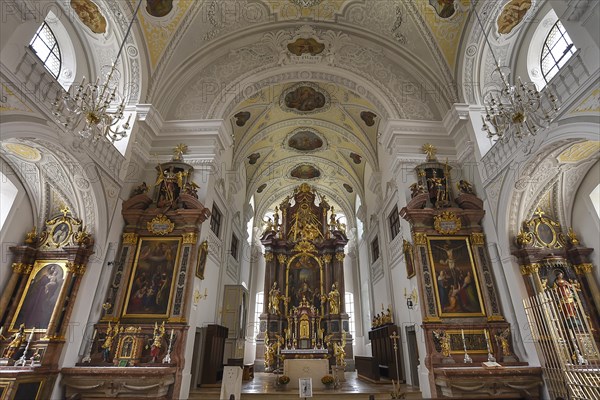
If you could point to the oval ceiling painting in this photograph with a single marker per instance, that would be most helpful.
(305, 171)
(305, 98)
(90, 15)
(305, 140)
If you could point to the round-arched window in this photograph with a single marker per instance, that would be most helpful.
(557, 50)
(46, 47)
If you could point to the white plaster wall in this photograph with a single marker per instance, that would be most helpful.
(585, 220)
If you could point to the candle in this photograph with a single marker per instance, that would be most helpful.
(171, 338)
(31, 334)
(487, 340)
(94, 335)
(1, 330)
(462, 332)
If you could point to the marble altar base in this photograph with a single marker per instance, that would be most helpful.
(121, 382)
(306, 368)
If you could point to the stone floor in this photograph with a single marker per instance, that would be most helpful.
(263, 387)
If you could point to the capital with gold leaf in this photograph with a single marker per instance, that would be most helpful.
(130, 238)
(419, 238)
(190, 238)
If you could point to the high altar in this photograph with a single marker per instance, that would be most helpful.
(304, 315)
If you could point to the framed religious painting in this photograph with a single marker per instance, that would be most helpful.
(202, 256)
(409, 259)
(40, 296)
(456, 284)
(150, 289)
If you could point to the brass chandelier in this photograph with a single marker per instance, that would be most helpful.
(91, 111)
(515, 111)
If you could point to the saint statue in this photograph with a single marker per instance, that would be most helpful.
(565, 291)
(334, 300)
(159, 332)
(17, 339)
(437, 187)
(274, 298)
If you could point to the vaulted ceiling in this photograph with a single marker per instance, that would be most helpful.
(236, 60)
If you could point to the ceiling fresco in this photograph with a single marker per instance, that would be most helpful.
(89, 14)
(330, 146)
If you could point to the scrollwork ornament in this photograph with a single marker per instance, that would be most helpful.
(190, 238)
(478, 238)
(524, 238)
(340, 256)
(582, 269)
(326, 258)
(130, 238)
(268, 257)
(281, 258)
(419, 238)
(447, 223)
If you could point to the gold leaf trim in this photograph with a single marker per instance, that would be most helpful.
(130, 238)
(160, 225)
(443, 223)
(190, 238)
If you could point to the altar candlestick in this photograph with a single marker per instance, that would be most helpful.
(487, 340)
(31, 334)
(1, 330)
(462, 332)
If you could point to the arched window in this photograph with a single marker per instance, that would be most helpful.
(595, 197)
(350, 311)
(260, 299)
(558, 49)
(8, 194)
(46, 47)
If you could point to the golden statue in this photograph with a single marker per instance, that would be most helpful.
(504, 338)
(444, 341)
(339, 352)
(159, 332)
(179, 151)
(274, 298)
(437, 184)
(17, 340)
(334, 300)
(111, 333)
(269, 352)
(31, 236)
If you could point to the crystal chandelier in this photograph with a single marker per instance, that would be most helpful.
(515, 111)
(91, 110)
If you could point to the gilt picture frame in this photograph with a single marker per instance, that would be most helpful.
(152, 281)
(456, 282)
(202, 256)
(40, 297)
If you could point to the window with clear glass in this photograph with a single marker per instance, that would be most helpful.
(558, 49)
(234, 246)
(215, 220)
(260, 298)
(8, 194)
(350, 311)
(45, 46)
(595, 197)
(375, 249)
(394, 220)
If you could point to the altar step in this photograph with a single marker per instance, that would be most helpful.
(262, 387)
(289, 395)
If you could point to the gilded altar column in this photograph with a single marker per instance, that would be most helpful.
(281, 284)
(269, 267)
(585, 270)
(15, 284)
(534, 282)
(338, 273)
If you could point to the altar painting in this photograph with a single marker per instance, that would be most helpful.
(41, 295)
(457, 287)
(304, 279)
(151, 285)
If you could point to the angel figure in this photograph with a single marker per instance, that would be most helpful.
(269, 352)
(159, 332)
(17, 339)
(339, 351)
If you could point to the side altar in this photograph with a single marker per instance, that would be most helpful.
(36, 305)
(137, 349)
(304, 316)
(463, 321)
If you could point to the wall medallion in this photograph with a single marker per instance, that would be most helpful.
(160, 225)
(447, 223)
(306, 46)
